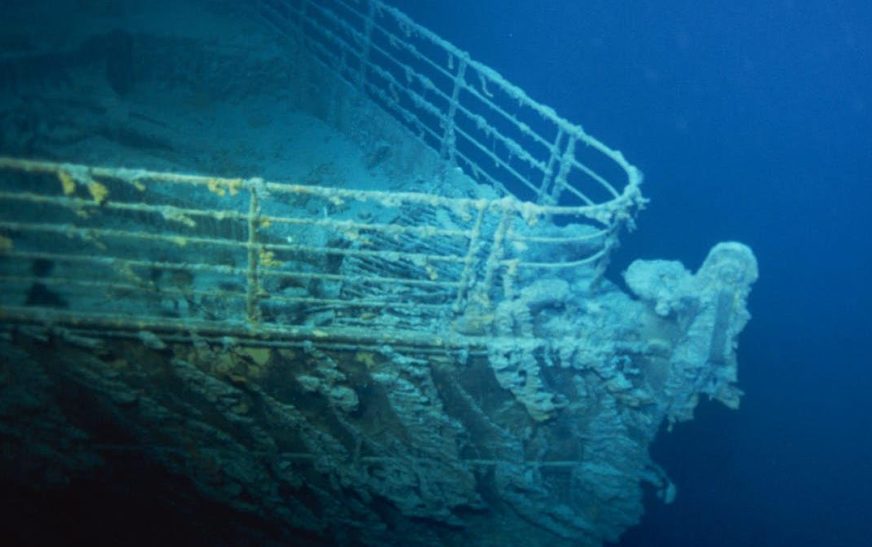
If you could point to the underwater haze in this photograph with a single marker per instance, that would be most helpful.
(752, 120)
(264, 279)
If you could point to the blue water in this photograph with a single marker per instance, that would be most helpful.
(752, 120)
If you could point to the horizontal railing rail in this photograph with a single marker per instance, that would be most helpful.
(460, 107)
(103, 246)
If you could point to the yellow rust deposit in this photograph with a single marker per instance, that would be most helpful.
(366, 358)
(222, 187)
(68, 184)
(99, 192)
(5, 244)
(268, 259)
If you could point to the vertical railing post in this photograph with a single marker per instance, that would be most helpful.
(467, 277)
(475, 311)
(556, 152)
(449, 138)
(492, 263)
(563, 173)
(252, 300)
(497, 249)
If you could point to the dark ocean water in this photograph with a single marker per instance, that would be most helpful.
(752, 121)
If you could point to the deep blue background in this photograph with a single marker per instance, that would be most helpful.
(752, 121)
